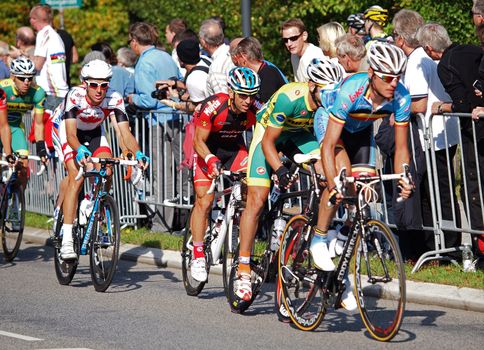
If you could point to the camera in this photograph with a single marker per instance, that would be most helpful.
(160, 94)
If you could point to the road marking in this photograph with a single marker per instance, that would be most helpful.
(66, 349)
(19, 336)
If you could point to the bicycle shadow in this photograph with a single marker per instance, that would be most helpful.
(31, 252)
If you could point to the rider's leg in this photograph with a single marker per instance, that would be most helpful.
(199, 218)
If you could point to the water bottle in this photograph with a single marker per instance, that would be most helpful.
(467, 258)
(277, 230)
(276, 191)
(85, 209)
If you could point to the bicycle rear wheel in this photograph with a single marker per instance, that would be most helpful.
(192, 286)
(231, 242)
(104, 248)
(12, 220)
(380, 281)
(64, 271)
(298, 278)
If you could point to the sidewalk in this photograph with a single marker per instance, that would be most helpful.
(417, 292)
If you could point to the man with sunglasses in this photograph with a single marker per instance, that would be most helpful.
(295, 38)
(81, 135)
(23, 96)
(347, 140)
(219, 142)
(284, 124)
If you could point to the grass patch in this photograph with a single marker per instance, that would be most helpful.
(449, 275)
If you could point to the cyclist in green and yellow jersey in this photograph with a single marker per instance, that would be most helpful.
(23, 95)
(284, 123)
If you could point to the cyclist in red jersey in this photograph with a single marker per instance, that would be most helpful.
(218, 142)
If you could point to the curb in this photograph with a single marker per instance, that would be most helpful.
(468, 299)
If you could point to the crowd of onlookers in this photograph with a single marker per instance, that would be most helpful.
(441, 76)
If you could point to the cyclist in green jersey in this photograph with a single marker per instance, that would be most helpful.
(285, 123)
(22, 96)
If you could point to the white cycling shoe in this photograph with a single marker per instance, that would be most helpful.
(67, 251)
(336, 243)
(243, 287)
(320, 253)
(348, 300)
(198, 270)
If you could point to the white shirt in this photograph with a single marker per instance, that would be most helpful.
(421, 80)
(197, 84)
(300, 64)
(219, 69)
(52, 76)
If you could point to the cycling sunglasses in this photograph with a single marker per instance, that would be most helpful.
(292, 38)
(24, 79)
(388, 78)
(95, 84)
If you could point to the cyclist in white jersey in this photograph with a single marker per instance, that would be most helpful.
(81, 135)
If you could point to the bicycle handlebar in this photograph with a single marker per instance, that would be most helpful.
(222, 172)
(111, 161)
(10, 170)
(29, 157)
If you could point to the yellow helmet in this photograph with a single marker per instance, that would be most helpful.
(377, 14)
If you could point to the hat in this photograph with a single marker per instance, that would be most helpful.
(188, 51)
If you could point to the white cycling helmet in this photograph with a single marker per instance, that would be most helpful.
(22, 66)
(324, 71)
(97, 69)
(386, 58)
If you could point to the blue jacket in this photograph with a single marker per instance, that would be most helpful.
(153, 64)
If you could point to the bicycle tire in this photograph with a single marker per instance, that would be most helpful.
(192, 286)
(302, 299)
(12, 222)
(381, 301)
(104, 247)
(64, 271)
(231, 241)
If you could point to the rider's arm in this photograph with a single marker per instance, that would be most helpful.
(127, 140)
(119, 135)
(331, 137)
(402, 156)
(38, 111)
(5, 134)
(71, 133)
(199, 142)
(269, 146)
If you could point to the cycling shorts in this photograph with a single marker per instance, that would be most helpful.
(95, 140)
(360, 146)
(19, 142)
(289, 143)
(233, 161)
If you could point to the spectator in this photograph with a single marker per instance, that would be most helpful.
(224, 27)
(4, 71)
(126, 58)
(122, 80)
(295, 38)
(153, 65)
(351, 51)
(72, 56)
(195, 81)
(24, 43)
(376, 18)
(49, 57)
(248, 53)
(175, 27)
(328, 33)
(212, 40)
(422, 81)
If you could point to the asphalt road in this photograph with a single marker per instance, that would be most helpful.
(147, 308)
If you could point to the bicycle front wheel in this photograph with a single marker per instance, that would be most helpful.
(13, 220)
(379, 280)
(298, 276)
(192, 286)
(231, 242)
(104, 248)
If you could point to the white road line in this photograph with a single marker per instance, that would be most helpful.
(66, 349)
(19, 336)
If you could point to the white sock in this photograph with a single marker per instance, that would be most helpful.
(66, 233)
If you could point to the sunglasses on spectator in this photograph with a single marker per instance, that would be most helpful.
(388, 78)
(95, 84)
(24, 79)
(292, 38)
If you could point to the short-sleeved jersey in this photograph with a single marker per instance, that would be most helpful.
(226, 127)
(90, 117)
(353, 107)
(18, 104)
(288, 109)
